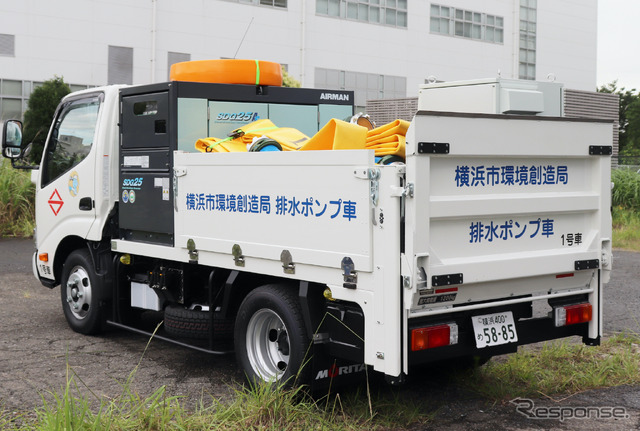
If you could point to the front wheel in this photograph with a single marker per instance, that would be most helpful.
(270, 338)
(80, 291)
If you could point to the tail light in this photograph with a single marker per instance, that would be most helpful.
(573, 314)
(434, 336)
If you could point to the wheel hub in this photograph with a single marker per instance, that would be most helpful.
(267, 345)
(79, 292)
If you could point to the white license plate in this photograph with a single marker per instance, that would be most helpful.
(494, 329)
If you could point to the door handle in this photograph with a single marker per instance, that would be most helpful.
(86, 204)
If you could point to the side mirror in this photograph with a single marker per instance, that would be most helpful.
(12, 139)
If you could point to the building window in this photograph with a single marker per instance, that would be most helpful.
(452, 21)
(385, 12)
(76, 87)
(14, 97)
(9, 87)
(366, 86)
(527, 56)
(272, 3)
(176, 57)
(10, 109)
(7, 45)
(120, 70)
(11, 99)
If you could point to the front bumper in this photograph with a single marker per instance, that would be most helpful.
(46, 282)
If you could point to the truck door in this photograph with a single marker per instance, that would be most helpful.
(65, 199)
(148, 141)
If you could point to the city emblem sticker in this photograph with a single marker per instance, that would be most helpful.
(74, 184)
(125, 196)
(55, 202)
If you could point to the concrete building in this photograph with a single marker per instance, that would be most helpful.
(378, 48)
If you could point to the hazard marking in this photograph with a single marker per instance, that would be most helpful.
(55, 202)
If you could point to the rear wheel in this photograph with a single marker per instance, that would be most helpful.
(270, 338)
(81, 291)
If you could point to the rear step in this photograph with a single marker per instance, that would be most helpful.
(170, 340)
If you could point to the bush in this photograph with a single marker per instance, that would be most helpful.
(289, 81)
(17, 195)
(626, 189)
(37, 119)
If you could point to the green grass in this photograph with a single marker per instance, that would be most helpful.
(626, 189)
(625, 198)
(261, 407)
(559, 368)
(16, 202)
(553, 370)
(626, 229)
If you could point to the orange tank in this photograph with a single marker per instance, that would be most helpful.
(250, 72)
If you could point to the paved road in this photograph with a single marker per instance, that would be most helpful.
(36, 346)
(622, 294)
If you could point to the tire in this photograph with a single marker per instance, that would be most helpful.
(81, 292)
(181, 322)
(271, 342)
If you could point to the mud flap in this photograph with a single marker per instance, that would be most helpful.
(338, 349)
(330, 374)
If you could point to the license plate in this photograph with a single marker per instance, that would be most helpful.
(494, 329)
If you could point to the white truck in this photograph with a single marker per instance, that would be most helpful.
(495, 232)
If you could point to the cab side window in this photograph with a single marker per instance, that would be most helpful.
(72, 137)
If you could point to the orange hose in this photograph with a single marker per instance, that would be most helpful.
(225, 71)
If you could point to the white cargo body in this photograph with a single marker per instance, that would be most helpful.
(516, 209)
(507, 209)
(495, 232)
